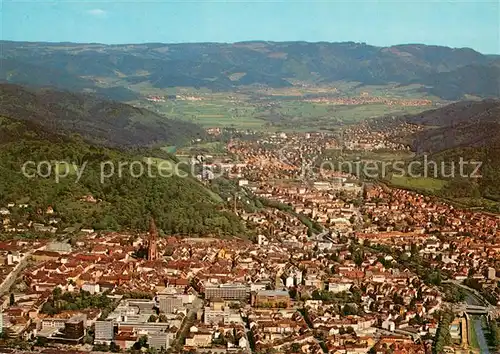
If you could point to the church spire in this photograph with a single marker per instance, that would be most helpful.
(153, 234)
(153, 231)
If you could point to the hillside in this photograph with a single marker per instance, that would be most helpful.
(100, 121)
(473, 80)
(180, 205)
(466, 131)
(446, 72)
(17, 72)
(462, 124)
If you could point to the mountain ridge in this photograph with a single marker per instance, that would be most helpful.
(100, 121)
(461, 124)
(467, 131)
(272, 64)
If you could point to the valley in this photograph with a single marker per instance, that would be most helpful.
(253, 197)
(286, 110)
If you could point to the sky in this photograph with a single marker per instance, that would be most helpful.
(473, 24)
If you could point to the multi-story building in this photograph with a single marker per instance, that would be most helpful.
(92, 288)
(160, 339)
(145, 306)
(228, 291)
(74, 328)
(170, 303)
(55, 323)
(492, 273)
(218, 312)
(271, 298)
(104, 332)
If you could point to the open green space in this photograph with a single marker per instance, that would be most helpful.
(276, 109)
(474, 343)
(426, 184)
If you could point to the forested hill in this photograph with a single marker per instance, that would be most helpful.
(462, 124)
(466, 131)
(180, 205)
(449, 73)
(100, 121)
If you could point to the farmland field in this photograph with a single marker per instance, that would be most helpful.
(425, 184)
(278, 109)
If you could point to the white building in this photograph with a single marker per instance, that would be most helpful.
(389, 325)
(4, 211)
(337, 287)
(492, 273)
(1, 320)
(104, 332)
(91, 288)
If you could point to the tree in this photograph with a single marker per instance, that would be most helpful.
(433, 277)
(48, 309)
(100, 348)
(114, 348)
(89, 338)
(443, 337)
(295, 347)
(494, 335)
(41, 342)
(141, 343)
(56, 293)
(12, 299)
(349, 310)
(470, 273)
(358, 257)
(221, 340)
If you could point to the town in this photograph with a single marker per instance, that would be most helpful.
(337, 265)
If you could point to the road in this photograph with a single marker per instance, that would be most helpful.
(188, 321)
(479, 301)
(11, 278)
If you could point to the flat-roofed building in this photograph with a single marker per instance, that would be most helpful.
(160, 339)
(229, 291)
(170, 303)
(104, 332)
(271, 298)
(219, 312)
(74, 328)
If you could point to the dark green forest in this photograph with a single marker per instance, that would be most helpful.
(179, 205)
(99, 121)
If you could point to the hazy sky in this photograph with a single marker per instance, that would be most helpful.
(471, 23)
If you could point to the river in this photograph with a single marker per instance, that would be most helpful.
(476, 320)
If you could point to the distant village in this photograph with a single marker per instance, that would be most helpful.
(366, 99)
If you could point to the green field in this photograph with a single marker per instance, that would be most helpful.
(208, 113)
(212, 147)
(474, 343)
(283, 115)
(276, 109)
(478, 203)
(425, 184)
